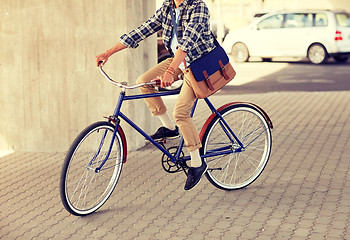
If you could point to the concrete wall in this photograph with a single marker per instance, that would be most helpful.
(50, 87)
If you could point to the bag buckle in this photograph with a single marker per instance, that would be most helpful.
(207, 80)
(223, 70)
(206, 76)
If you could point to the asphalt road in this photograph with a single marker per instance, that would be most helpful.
(292, 75)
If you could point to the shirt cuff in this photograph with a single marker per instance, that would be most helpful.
(128, 41)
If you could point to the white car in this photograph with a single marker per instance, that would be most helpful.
(314, 34)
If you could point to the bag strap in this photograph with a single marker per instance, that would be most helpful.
(207, 80)
(173, 22)
(223, 70)
(216, 43)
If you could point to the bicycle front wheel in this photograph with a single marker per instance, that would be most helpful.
(86, 184)
(238, 166)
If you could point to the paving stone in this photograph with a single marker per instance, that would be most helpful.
(303, 192)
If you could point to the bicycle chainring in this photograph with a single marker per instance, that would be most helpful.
(171, 167)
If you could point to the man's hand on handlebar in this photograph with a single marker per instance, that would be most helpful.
(101, 59)
(166, 79)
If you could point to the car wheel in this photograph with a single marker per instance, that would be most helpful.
(240, 52)
(317, 54)
(340, 59)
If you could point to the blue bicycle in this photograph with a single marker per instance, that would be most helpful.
(236, 145)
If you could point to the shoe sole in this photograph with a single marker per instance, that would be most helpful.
(206, 169)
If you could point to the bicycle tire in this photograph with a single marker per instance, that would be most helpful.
(84, 189)
(237, 169)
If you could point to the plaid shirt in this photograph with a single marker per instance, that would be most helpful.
(194, 34)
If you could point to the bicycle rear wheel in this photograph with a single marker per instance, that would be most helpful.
(83, 187)
(241, 166)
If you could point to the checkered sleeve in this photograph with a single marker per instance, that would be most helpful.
(151, 26)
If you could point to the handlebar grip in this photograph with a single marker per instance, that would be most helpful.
(99, 63)
(157, 81)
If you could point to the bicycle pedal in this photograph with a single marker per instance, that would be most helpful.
(161, 141)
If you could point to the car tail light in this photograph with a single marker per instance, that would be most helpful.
(338, 36)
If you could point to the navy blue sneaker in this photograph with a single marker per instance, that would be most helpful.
(195, 175)
(164, 132)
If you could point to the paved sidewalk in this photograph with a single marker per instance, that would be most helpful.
(304, 192)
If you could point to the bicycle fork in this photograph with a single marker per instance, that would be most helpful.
(116, 121)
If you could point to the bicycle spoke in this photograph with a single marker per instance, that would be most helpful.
(83, 189)
(234, 172)
(241, 167)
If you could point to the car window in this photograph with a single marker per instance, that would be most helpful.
(321, 20)
(271, 22)
(343, 19)
(298, 20)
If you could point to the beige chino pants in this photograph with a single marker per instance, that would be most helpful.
(182, 108)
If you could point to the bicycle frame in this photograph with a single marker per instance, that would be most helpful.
(118, 114)
(89, 175)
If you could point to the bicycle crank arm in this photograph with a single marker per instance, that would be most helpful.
(212, 169)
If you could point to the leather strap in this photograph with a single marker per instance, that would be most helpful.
(207, 80)
(223, 70)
